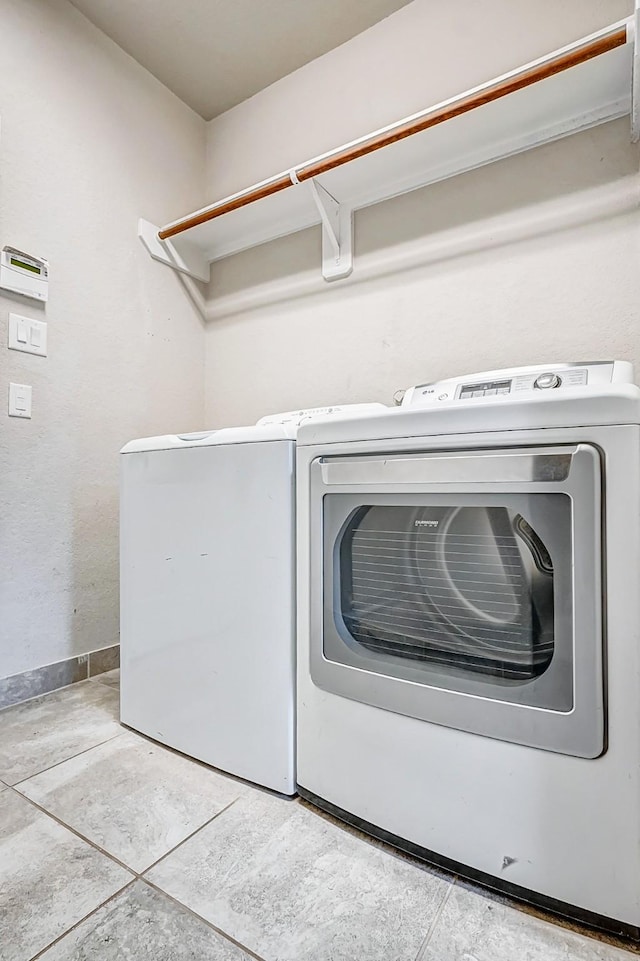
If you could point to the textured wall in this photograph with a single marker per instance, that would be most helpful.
(424, 53)
(89, 142)
(519, 262)
(528, 260)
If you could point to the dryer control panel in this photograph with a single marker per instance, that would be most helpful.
(505, 385)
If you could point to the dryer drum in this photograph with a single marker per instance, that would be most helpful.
(466, 588)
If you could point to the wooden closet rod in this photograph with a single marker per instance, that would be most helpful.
(502, 88)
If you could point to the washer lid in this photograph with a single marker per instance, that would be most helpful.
(283, 426)
(212, 438)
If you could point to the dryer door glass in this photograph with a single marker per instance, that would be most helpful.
(468, 588)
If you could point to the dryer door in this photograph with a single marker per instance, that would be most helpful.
(464, 589)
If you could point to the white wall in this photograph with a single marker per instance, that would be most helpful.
(529, 260)
(420, 55)
(518, 262)
(89, 142)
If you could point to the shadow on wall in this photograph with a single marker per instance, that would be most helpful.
(536, 192)
(556, 172)
(93, 602)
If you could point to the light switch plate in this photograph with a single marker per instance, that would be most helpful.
(19, 400)
(28, 335)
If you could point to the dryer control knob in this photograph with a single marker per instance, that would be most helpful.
(545, 381)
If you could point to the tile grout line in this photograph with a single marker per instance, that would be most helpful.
(136, 876)
(73, 927)
(185, 907)
(64, 761)
(164, 894)
(112, 857)
(434, 923)
(155, 863)
(73, 831)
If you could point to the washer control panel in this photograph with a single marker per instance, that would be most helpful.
(503, 385)
(294, 418)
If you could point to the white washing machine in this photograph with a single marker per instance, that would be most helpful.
(469, 631)
(207, 557)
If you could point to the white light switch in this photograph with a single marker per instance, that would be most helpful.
(19, 400)
(27, 335)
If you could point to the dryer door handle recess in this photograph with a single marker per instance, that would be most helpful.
(477, 467)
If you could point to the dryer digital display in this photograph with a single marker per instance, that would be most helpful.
(487, 389)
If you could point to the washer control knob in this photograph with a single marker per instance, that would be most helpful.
(545, 381)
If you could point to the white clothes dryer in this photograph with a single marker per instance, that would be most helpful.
(469, 630)
(207, 560)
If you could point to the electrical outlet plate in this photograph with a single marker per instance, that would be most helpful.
(27, 335)
(19, 400)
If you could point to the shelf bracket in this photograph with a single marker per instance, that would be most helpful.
(337, 233)
(635, 76)
(186, 259)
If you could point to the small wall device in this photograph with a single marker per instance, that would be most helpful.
(24, 274)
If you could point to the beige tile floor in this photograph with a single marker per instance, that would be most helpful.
(113, 848)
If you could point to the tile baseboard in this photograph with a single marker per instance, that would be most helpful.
(51, 677)
(106, 659)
